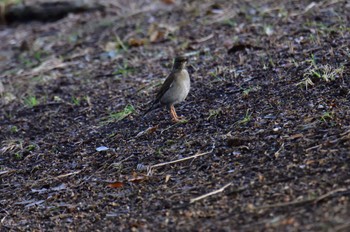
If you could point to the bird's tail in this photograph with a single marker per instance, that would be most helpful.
(153, 107)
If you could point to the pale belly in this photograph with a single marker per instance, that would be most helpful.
(178, 91)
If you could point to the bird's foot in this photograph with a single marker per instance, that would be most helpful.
(175, 119)
(180, 119)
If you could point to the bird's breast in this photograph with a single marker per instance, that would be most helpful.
(185, 81)
(178, 90)
(184, 85)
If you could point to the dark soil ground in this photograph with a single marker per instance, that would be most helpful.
(268, 119)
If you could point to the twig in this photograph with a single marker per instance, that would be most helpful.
(210, 193)
(6, 172)
(57, 177)
(343, 135)
(177, 161)
(284, 204)
(320, 198)
(342, 227)
(314, 147)
(201, 40)
(67, 174)
(297, 202)
(307, 9)
(277, 153)
(178, 123)
(3, 219)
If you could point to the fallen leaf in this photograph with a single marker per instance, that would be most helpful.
(149, 130)
(169, 2)
(116, 185)
(157, 36)
(261, 177)
(228, 43)
(268, 30)
(110, 46)
(49, 65)
(160, 32)
(288, 221)
(250, 206)
(137, 178)
(308, 162)
(6, 98)
(136, 42)
(296, 136)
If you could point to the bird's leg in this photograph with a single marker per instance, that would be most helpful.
(174, 116)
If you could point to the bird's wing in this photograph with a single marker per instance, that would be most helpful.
(165, 87)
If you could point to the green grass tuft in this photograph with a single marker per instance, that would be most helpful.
(118, 116)
(31, 101)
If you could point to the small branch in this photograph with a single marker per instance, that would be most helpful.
(57, 177)
(343, 227)
(178, 123)
(320, 198)
(210, 193)
(67, 174)
(6, 172)
(314, 147)
(177, 161)
(298, 202)
(344, 135)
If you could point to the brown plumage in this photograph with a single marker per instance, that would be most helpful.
(174, 89)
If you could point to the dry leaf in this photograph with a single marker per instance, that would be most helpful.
(167, 178)
(169, 2)
(159, 32)
(250, 206)
(296, 136)
(288, 221)
(49, 65)
(151, 130)
(135, 178)
(116, 185)
(110, 46)
(157, 36)
(308, 162)
(138, 179)
(228, 43)
(261, 177)
(136, 42)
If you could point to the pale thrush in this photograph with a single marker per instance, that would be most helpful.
(174, 89)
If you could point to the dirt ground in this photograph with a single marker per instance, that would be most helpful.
(266, 135)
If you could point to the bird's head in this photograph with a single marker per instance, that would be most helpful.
(180, 62)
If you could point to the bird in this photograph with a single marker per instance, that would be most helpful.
(174, 89)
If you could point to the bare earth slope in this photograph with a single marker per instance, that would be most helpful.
(268, 113)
